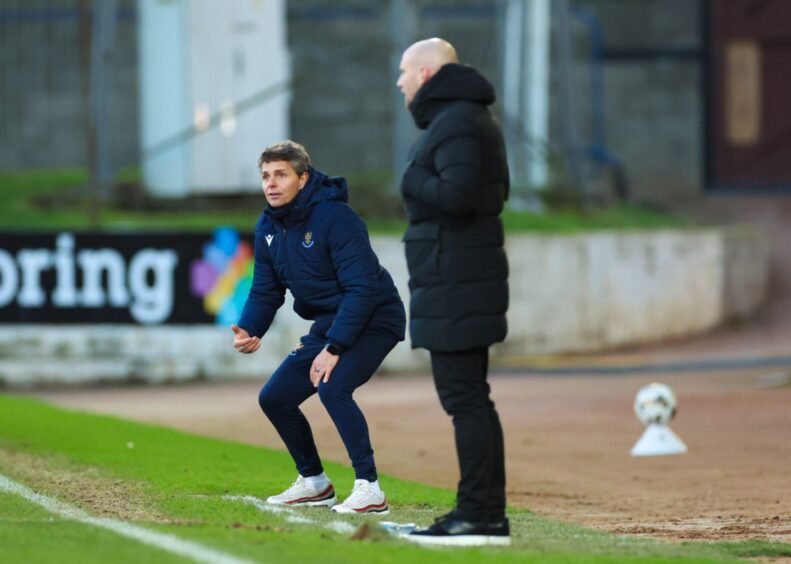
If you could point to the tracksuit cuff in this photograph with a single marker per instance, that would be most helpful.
(333, 347)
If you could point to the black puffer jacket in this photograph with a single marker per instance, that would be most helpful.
(454, 188)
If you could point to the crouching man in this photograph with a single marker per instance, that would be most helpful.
(310, 241)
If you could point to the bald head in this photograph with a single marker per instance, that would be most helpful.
(432, 53)
(420, 62)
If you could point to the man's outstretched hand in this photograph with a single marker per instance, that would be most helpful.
(243, 342)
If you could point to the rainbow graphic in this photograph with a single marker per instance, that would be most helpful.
(223, 276)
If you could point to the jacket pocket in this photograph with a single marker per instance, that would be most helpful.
(421, 242)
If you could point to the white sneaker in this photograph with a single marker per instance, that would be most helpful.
(364, 500)
(303, 493)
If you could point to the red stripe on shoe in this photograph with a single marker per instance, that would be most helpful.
(374, 507)
(329, 492)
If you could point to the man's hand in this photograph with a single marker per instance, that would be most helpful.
(322, 367)
(243, 342)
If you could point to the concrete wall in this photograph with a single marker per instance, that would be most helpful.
(568, 294)
(746, 275)
(593, 292)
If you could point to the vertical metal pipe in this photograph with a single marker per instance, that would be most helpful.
(97, 37)
(513, 83)
(568, 111)
(401, 20)
(102, 45)
(86, 41)
(537, 91)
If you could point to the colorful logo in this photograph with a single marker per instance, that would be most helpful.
(224, 275)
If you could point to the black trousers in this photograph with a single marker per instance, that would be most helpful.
(460, 378)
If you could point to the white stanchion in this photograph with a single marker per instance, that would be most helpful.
(658, 440)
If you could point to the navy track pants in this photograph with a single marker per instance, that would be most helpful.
(290, 385)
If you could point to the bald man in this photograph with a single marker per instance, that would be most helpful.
(454, 189)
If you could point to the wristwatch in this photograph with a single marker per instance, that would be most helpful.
(333, 349)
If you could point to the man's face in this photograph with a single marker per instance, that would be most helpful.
(411, 77)
(281, 183)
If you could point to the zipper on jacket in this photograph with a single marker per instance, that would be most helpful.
(288, 260)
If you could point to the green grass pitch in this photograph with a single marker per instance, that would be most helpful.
(184, 485)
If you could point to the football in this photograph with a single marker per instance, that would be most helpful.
(655, 404)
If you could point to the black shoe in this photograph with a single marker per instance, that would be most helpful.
(443, 518)
(450, 530)
(499, 528)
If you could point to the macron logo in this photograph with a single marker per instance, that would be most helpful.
(269, 240)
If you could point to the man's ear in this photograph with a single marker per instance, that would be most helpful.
(425, 74)
(303, 179)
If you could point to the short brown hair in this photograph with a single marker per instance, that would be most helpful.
(286, 151)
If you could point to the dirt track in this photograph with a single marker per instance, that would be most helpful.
(567, 442)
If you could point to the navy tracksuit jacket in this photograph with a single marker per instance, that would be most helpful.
(318, 248)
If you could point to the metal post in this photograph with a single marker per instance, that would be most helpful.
(537, 92)
(401, 20)
(526, 96)
(102, 44)
(513, 83)
(568, 109)
(97, 36)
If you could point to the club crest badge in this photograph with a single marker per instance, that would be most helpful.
(296, 348)
(307, 242)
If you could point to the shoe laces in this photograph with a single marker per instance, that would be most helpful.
(298, 485)
(361, 490)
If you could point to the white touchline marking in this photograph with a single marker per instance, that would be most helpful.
(259, 504)
(291, 515)
(299, 519)
(170, 543)
(340, 527)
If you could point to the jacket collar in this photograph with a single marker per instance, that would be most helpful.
(450, 83)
